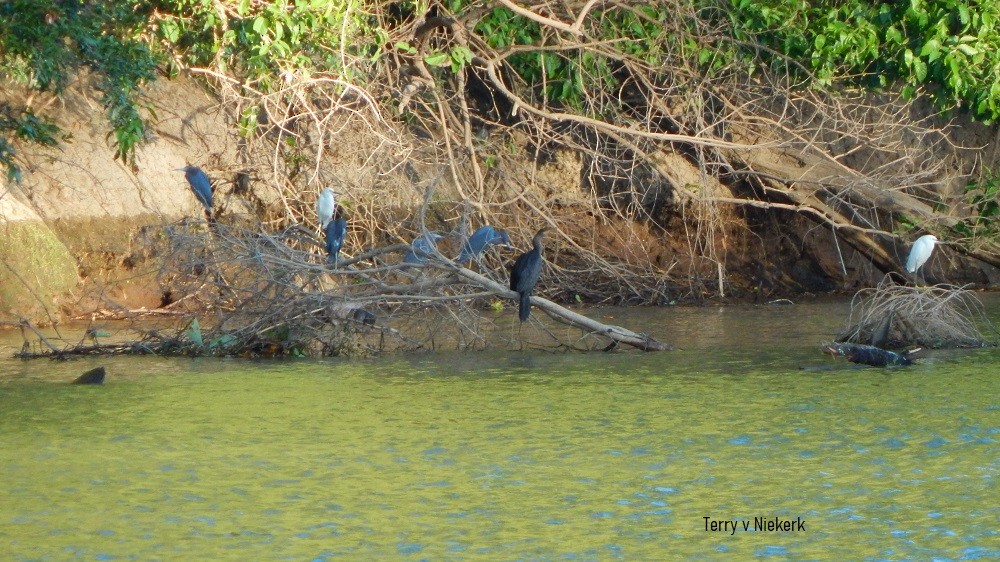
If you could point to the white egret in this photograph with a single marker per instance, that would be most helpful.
(324, 207)
(920, 253)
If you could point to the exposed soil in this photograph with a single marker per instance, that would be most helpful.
(102, 211)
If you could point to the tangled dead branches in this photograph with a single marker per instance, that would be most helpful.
(245, 292)
(274, 294)
(658, 162)
(900, 317)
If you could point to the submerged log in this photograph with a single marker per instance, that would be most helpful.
(866, 354)
(93, 376)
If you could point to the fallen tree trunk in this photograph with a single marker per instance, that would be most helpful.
(267, 294)
(616, 334)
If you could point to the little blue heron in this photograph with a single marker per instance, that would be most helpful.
(422, 247)
(200, 185)
(336, 230)
(324, 207)
(920, 253)
(480, 239)
(525, 273)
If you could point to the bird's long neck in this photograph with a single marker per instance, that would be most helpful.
(537, 243)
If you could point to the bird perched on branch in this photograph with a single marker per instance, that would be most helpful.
(920, 253)
(525, 273)
(480, 240)
(200, 185)
(335, 232)
(422, 247)
(325, 206)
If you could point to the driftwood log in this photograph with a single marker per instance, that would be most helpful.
(616, 334)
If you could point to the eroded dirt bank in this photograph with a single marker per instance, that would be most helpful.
(78, 233)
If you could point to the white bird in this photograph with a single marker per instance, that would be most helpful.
(920, 252)
(324, 207)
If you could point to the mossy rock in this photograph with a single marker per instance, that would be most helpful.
(35, 269)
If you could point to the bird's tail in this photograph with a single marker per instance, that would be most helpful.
(525, 308)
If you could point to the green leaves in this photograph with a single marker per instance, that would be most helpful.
(456, 59)
(931, 50)
(405, 47)
(953, 46)
(573, 78)
(194, 332)
(917, 66)
(437, 59)
(984, 198)
(43, 43)
(460, 57)
(949, 49)
(262, 41)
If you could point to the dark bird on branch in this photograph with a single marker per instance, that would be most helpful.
(336, 230)
(480, 240)
(525, 273)
(422, 247)
(200, 185)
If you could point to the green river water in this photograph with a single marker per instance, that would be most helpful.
(511, 455)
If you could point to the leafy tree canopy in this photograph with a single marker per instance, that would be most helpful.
(947, 48)
(45, 43)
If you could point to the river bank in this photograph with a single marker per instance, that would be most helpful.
(83, 233)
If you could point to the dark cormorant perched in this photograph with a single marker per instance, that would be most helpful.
(201, 186)
(336, 230)
(525, 273)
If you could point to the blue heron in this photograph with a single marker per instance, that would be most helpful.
(525, 273)
(336, 230)
(324, 207)
(200, 185)
(920, 253)
(480, 240)
(422, 247)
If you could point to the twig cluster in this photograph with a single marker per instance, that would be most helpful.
(665, 164)
(247, 292)
(275, 294)
(894, 316)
